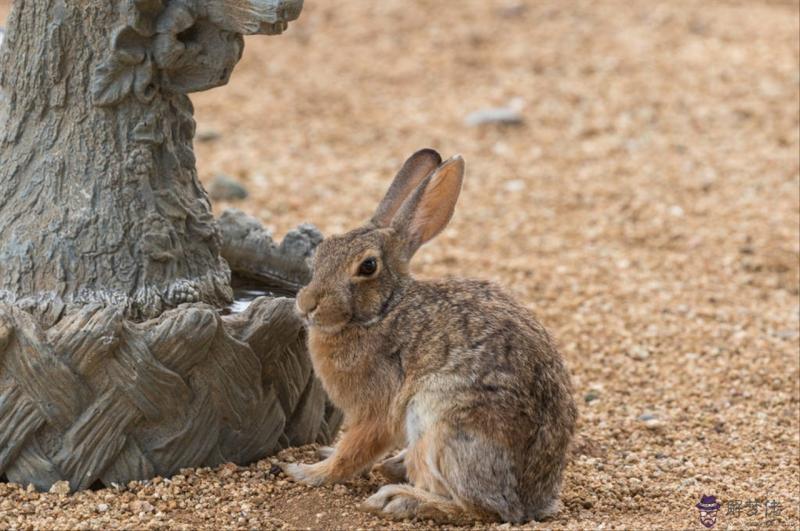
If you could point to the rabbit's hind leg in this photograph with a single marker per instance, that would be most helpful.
(426, 498)
(429, 497)
(406, 501)
(479, 473)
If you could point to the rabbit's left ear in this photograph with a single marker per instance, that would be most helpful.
(429, 209)
(414, 170)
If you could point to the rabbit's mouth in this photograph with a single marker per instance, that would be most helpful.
(327, 325)
(327, 329)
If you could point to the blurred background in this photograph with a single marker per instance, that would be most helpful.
(632, 177)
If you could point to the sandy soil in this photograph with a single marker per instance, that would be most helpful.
(646, 210)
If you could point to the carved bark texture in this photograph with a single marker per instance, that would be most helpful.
(99, 397)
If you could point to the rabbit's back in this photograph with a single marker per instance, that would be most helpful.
(478, 366)
(473, 336)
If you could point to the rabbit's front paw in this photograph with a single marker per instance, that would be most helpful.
(309, 474)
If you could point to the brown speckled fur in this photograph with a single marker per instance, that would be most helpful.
(454, 371)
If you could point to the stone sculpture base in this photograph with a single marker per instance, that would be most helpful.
(97, 397)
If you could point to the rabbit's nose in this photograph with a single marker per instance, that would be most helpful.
(306, 304)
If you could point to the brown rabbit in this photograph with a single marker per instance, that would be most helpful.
(454, 371)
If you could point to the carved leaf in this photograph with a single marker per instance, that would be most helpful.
(87, 337)
(147, 130)
(21, 419)
(143, 85)
(167, 50)
(95, 439)
(37, 369)
(5, 334)
(143, 24)
(176, 18)
(149, 7)
(129, 46)
(187, 389)
(243, 16)
(111, 83)
(234, 376)
(144, 380)
(131, 463)
(195, 439)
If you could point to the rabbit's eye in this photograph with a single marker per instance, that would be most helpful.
(368, 267)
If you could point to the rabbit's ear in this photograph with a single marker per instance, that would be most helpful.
(428, 210)
(414, 170)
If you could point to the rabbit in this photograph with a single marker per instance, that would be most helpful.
(453, 371)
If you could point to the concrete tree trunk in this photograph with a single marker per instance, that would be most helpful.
(116, 359)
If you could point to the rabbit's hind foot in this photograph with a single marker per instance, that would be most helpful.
(406, 501)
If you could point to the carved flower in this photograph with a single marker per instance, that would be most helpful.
(129, 68)
(140, 163)
(182, 291)
(147, 130)
(157, 239)
(142, 16)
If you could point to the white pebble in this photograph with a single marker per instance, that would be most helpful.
(514, 185)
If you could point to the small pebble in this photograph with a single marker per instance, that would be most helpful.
(513, 10)
(139, 506)
(638, 352)
(207, 135)
(60, 487)
(676, 211)
(786, 334)
(496, 115)
(654, 424)
(591, 396)
(224, 188)
(514, 185)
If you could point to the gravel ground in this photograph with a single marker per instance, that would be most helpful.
(646, 208)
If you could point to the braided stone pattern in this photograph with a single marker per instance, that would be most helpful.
(97, 397)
